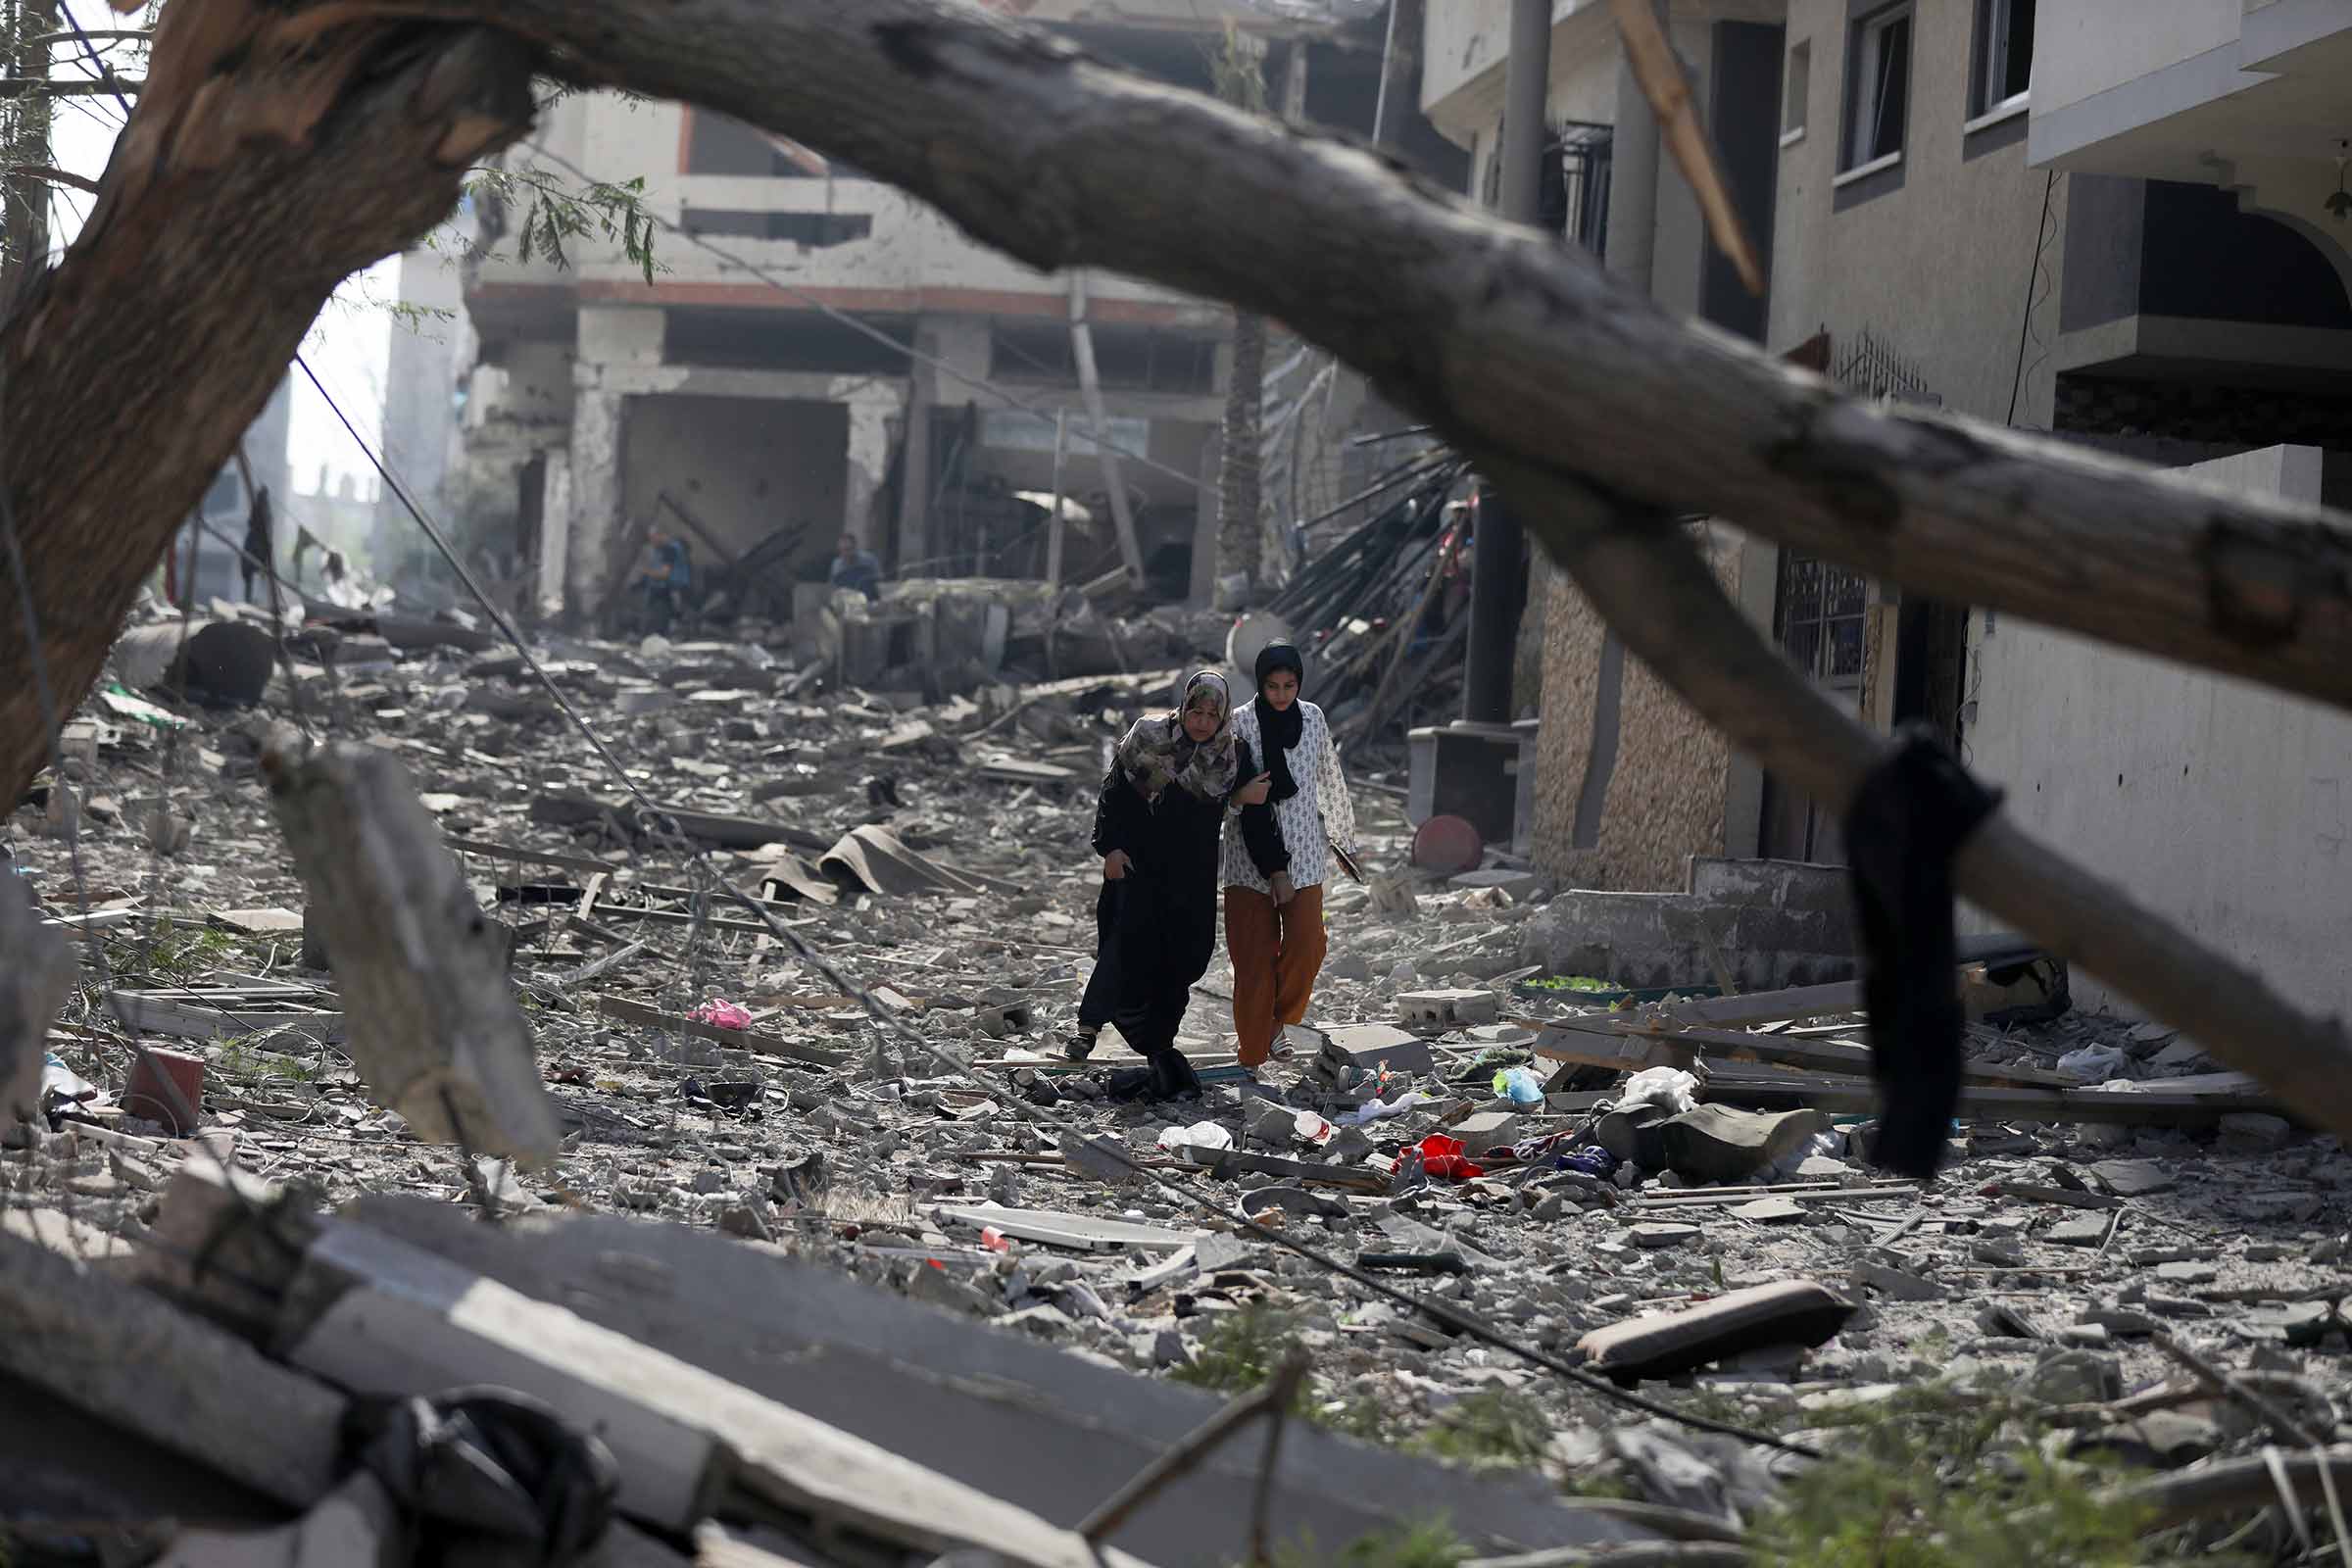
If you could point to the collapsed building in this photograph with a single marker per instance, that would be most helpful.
(813, 353)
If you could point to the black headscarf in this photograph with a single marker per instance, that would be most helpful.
(1281, 728)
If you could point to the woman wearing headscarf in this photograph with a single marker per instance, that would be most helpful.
(1278, 856)
(1166, 797)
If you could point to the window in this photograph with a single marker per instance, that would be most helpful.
(1794, 91)
(1572, 198)
(1877, 93)
(2004, 56)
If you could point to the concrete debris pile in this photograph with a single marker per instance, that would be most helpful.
(835, 1275)
(944, 637)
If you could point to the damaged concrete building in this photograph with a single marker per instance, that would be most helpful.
(817, 354)
(2122, 227)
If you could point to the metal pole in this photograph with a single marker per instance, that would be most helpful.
(1498, 560)
(1526, 104)
(1053, 526)
(1398, 59)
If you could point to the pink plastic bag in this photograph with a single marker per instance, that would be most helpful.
(722, 1015)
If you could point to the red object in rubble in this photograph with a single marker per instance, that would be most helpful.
(1443, 1157)
(1448, 845)
(167, 1087)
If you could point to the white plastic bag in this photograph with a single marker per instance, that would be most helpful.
(1669, 1088)
(1200, 1135)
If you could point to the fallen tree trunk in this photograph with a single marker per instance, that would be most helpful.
(236, 201)
(1508, 341)
(202, 264)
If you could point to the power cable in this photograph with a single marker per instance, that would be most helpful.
(2037, 291)
(1461, 1322)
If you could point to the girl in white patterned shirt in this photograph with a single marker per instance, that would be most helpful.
(1278, 856)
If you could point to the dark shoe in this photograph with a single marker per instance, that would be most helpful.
(1082, 1045)
(1172, 1076)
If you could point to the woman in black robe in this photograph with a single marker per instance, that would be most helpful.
(1158, 828)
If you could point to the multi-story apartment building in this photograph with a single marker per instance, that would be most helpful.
(2116, 220)
(819, 352)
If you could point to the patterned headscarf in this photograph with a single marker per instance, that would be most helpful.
(1157, 752)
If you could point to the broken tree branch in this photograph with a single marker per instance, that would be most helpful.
(1660, 75)
(2231, 1387)
(1648, 582)
(1271, 1399)
(1508, 341)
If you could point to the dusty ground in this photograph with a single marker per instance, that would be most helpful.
(2235, 1245)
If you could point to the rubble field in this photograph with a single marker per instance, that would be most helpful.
(2097, 1317)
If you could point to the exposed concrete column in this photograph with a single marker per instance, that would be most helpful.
(1632, 240)
(871, 409)
(555, 534)
(599, 424)
(1498, 570)
(914, 472)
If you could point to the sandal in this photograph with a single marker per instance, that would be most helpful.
(1082, 1045)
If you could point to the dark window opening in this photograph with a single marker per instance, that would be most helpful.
(2004, 54)
(1878, 85)
(1573, 198)
(815, 230)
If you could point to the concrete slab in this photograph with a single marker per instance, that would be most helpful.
(1080, 1231)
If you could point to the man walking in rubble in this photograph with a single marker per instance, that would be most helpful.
(856, 567)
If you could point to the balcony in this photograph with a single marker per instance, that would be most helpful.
(2245, 94)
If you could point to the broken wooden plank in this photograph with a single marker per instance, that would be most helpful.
(398, 1320)
(432, 1021)
(1766, 1007)
(628, 1011)
(141, 1364)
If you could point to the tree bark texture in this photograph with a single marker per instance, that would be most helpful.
(28, 179)
(212, 247)
(236, 201)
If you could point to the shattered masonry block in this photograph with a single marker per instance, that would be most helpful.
(1447, 1009)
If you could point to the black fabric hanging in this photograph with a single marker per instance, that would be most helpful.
(1907, 821)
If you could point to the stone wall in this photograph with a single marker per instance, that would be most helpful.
(1664, 799)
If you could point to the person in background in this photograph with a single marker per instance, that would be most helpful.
(857, 569)
(668, 574)
(260, 551)
(1163, 803)
(1278, 856)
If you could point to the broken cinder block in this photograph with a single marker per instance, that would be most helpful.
(1439, 1011)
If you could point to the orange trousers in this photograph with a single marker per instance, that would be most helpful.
(1277, 950)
